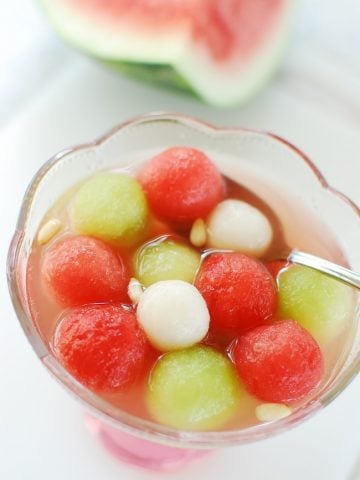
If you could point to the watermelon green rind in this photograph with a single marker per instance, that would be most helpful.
(168, 58)
(166, 76)
(157, 74)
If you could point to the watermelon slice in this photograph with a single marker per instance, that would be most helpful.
(221, 50)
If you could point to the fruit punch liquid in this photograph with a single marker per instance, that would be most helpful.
(292, 226)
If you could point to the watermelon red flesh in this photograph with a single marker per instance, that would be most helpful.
(225, 27)
(222, 50)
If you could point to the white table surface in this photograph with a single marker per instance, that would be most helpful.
(51, 98)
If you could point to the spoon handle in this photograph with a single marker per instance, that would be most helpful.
(336, 271)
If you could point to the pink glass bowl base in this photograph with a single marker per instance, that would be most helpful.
(139, 452)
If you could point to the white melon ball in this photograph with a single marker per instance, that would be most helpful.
(173, 315)
(237, 225)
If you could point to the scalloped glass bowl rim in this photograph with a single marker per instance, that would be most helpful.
(105, 411)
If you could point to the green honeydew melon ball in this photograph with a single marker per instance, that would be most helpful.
(321, 305)
(193, 389)
(165, 259)
(110, 206)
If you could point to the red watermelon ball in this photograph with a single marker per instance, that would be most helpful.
(182, 184)
(239, 291)
(102, 346)
(82, 269)
(279, 363)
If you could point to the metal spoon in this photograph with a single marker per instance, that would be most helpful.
(332, 269)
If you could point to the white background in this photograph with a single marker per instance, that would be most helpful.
(51, 98)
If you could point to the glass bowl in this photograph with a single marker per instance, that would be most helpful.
(261, 154)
